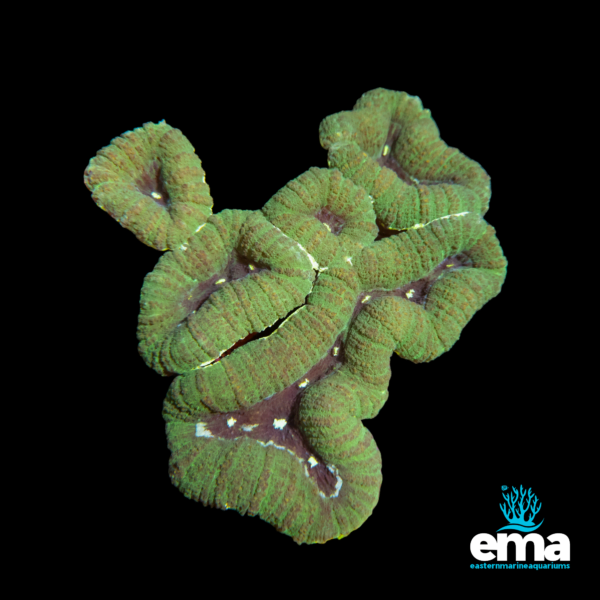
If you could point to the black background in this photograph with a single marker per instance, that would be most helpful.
(502, 407)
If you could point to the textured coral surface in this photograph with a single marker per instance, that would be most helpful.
(390, 145)
(151, 182)
(278, 325)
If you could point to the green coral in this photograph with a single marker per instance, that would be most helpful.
(328, 215)
(174, 336)
(152, 183)
(462, 286)
(279, 324)
(390, 145)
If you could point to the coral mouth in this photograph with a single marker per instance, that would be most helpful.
(333, 222)
(151, 184)
(238, 267)
(417, 291)
(274, 421)
(387, 158)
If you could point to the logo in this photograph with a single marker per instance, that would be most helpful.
(516, 512)
(520, 509)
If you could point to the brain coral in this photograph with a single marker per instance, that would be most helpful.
(278, 325)
(151, 182)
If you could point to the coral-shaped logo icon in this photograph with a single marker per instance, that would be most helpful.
(516, 511)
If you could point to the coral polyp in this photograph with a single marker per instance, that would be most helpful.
(390, 145)
(327, 214)
(278, 325)
(236, 276)
(151, 182)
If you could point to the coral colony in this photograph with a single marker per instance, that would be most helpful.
(279, 324)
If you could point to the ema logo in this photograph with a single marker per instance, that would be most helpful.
(520, 509)
(518, 521)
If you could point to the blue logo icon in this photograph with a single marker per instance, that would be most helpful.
(516, 511)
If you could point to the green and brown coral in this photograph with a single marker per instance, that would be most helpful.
(390, 145)
(327, 214)
(152, 183)
(279, 324)
(234, 277)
